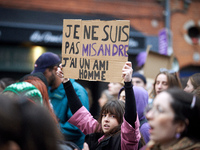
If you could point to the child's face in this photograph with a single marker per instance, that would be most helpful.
(108, 122)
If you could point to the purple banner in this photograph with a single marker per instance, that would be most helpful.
(163, 42)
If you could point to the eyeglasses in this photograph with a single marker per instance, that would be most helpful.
(166, 70)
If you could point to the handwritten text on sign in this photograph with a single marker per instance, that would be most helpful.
(94, 50)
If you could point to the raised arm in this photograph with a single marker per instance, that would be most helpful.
(73, 100)
(130, 105)
(81, 116)
(130, 134)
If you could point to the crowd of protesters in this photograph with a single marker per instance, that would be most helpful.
(43, 110)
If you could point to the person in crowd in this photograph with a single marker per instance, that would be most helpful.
(39, 84)
(139, 80)
(117, 128)
(26, 126)
(39, 75)
(184, 81)
(114, 87)
(4, 82)
(39, 81)
(165, 79)
(174, 119)
(105, 96)
(18, 89)
(32, 93)
(48, 64)
(141, 99)
(193, 84)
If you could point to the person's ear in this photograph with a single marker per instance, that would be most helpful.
(55, 68)
(145, 86)
(182, 126)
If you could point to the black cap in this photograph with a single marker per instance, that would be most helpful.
(138, 75)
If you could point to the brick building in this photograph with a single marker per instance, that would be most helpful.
(146, 16)
(185, 25)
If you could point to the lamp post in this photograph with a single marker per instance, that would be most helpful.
(167, 26)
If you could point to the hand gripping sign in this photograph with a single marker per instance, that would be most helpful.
(95, 50)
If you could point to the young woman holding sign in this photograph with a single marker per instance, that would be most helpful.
(117, 128)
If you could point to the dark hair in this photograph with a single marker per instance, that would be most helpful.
(173, 80)
(184, 81)
(39, 75)
(4, 82)
(115, 107)
(195, 80)
(43, 90)
(183, 110)
(27, 124)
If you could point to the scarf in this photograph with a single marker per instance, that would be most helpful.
(183, 144)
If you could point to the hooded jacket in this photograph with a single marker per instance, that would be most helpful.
(141, 99)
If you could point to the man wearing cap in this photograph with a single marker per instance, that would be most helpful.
(139, 80)
(48, 63)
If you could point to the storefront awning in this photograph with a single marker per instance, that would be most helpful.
(45, 28)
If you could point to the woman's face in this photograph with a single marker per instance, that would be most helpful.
(114, 88)
(160, 118)
(161, 83)
(108, 122)
(189, 87)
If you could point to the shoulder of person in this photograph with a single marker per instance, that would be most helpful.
(67, 145)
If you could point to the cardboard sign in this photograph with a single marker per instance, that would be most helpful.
(94, 50)
(154, 62)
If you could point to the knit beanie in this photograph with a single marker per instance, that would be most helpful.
(25, 89)
(138, 75)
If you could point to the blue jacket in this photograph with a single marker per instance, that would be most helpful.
(59, 101)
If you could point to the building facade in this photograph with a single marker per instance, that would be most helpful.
(29, 28)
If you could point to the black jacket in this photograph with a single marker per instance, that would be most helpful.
(109, 143)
